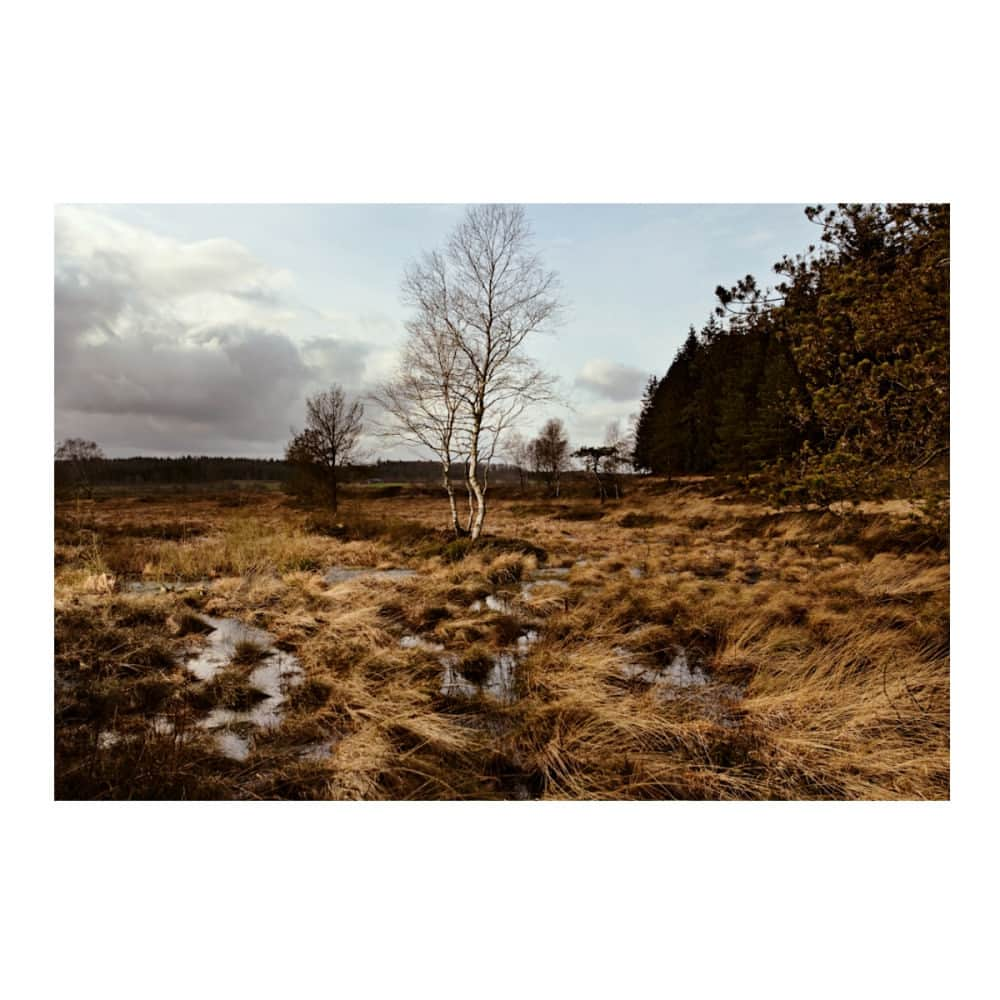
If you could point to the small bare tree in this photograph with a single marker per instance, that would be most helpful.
(550, 454)
(80, 456)
(330, 440)
(518, 450)
(619, 446)
(486, 292)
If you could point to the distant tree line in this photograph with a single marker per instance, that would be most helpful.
(142, 471)
(835, 381)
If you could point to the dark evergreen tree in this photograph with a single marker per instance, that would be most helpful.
(835, 380)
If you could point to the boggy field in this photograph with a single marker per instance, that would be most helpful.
(674, 645)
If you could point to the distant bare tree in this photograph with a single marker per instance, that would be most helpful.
(519, 450)
(620, 441)
(330, 439)
(486, 292)
(80, 455)
(550, 454)
(617, 447)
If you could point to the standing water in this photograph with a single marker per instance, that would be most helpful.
(276, 671)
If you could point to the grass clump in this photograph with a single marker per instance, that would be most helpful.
(475, 664)
(247, 653)
(636, 519)
(231, 688)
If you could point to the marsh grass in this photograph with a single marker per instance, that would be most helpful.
(247, 653)
(231, 688)
(832, 627)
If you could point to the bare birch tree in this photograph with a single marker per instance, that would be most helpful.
(486, 293)
(422, 401)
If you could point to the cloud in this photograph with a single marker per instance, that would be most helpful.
(611, 380)
(336, 360)
(170, 347)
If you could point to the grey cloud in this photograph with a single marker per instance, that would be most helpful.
(244, 383)
(138, 370)
(332, 359)
(611, 380)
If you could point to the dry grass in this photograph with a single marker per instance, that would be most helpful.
(824, 637)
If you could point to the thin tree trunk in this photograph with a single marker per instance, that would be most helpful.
(473, 484)
(472, 502)
(449, 489)
(480, 494)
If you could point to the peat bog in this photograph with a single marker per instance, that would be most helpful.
(675, 644)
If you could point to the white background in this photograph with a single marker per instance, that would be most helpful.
(732, 102)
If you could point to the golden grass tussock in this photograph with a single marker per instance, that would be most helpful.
(540, 664)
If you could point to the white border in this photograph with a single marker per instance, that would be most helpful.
(521, 101)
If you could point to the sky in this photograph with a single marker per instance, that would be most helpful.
(201, 329)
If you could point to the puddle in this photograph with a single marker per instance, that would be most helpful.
(673, 678)
(232, 728)
(524, 641)
(162, 725)
(233, 745)
(503, 601)
(271, 676)
(682, 679)
(416, 642)
(317, 751)
(493, 602)
(499, 683)
(528, 588)
(163, 586)
(338, 574)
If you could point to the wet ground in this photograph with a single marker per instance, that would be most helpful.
(274, 673)
(497, 681)
(679, 677)
(339, 574)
